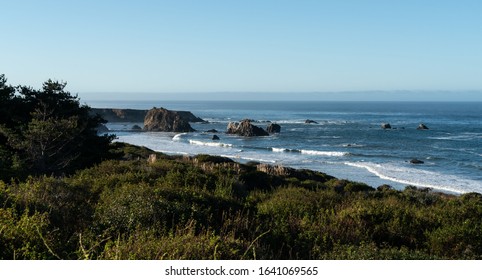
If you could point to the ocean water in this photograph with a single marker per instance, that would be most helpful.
(347, 142)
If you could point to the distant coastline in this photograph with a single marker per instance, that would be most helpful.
(134, 115)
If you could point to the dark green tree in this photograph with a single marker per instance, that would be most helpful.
(47, 131)
(7, 103)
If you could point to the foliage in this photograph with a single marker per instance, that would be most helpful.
(183, 208)
(46, 131)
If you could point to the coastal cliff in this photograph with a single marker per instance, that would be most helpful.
(120, 115)
(134, 115)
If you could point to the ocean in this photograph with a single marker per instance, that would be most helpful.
(346, 142)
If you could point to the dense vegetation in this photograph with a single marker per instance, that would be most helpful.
(46, 131)
(208, 207)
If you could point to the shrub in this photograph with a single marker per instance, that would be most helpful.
(26, 236)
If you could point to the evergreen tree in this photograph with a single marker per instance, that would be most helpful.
(47, 131)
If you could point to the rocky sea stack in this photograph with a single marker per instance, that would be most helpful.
(245, 128)
(160, 119)
(273, 128)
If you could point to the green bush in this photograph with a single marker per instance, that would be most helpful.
(26, 236)
(180, 208)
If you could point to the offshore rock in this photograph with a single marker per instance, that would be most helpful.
(310, 121)
(386, 126)
(416, 161)
(245, 128)
(166, 120)
(232, 128)
(215, 137)
(422, 127)
(273, 128)
(190, 117)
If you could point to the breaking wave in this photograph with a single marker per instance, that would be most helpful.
(178, 137)
(419, 177)
(210, 144)
(324, 153)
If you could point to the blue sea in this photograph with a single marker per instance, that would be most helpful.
(347, 141)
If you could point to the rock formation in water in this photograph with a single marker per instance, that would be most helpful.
(245, 128)
(273, 128)
(160, 119)
(386, 126)
(422, 127)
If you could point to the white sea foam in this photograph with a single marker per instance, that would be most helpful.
(419, 177)
(178, 137)
(460, 137)
(319, 122)
(210, 144)
(323, 153)
(173, 152)
(279, 150)
(290, 122)
(238, 157)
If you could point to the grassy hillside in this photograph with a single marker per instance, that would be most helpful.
(208, 207)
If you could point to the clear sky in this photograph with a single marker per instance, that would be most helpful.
(144, 49)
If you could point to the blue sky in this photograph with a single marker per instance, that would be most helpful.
(185, 49)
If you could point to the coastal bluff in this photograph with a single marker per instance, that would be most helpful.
(120, 115)
(136, 115)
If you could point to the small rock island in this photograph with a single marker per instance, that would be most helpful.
(245, 128)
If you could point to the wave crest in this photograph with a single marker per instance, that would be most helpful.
(210, 144)
(178, 137)
(324, 153)
(419, 177)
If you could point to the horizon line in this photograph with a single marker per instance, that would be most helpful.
(294, 91)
